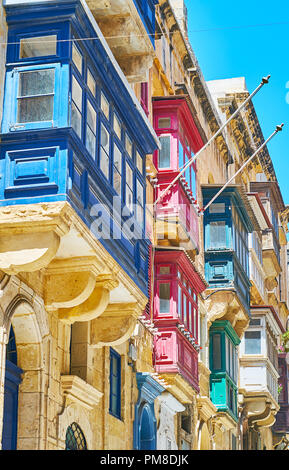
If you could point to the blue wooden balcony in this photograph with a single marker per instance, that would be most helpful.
(227, 223)
(72, 128)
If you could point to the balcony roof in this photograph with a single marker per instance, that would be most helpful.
(273, 188)
(242, 202)
(259, 211)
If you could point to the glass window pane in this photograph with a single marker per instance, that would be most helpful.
(117, 169)
(91, 83)
(217, 234)
(129, 198)
(139, 162)
(164, 160)
(38, 82)
(165, 269)
(76, 93)
(164, 294)
(38, 109)
(164, 123)
(117, 126)
(217, 208)
(128, 145)
(104, 139)
(180, 302)
(253, 342)
(91, 117)
(140, 193)
(181, 155)
(38, 46)
(129, 176)
(90, 141)
(76, 120)
(104, 104)
(104, 163)
(217, 358)
(77, 58)
(185, 310)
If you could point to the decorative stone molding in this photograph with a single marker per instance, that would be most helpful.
(78, 391)
(206, 409)
(226, 305)
(115, 325)
(179, 387)
(259, 408)
(30, 236)
(94, 306)
(169, 406)
(70, 282)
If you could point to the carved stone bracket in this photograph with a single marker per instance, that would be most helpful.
(30, 236)
(94, 305)
(226, 306)
(70, 282)
(116, 324)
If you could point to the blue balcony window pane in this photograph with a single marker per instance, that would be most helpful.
(218, 234)
(77, 58)
(104, 151)
(36, 96)
(42, 46)
(117, 169)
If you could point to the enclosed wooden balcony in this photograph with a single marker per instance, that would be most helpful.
(177, 218)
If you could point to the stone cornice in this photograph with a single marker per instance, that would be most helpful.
(77, 390)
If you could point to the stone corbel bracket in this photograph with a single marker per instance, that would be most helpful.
(70, 282)
(30, 236)
(116, 324)
(94, 305)
(78, 391)
(225, 305)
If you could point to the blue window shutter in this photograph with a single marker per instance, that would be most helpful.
(115, 384)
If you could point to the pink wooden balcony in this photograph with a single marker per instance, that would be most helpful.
(175, 354)
(177, 219)
(176, 288)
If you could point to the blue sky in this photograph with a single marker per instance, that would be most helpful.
(249, 39)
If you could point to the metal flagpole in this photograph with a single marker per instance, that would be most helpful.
(278, 129)
(264, 81)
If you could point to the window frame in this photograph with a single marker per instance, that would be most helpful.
(14, 78)
(114, 356)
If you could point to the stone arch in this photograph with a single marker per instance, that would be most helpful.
(28, 318)
(74, 413)
(204, 441)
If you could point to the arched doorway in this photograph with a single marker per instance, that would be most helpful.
(147, 432)
(11, 384)
(27, 319)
